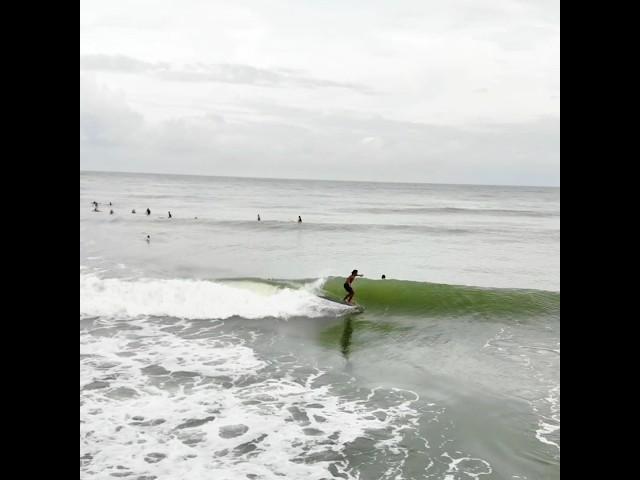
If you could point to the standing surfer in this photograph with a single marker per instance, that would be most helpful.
(347, 286)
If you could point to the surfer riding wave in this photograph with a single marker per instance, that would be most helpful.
(347, 286)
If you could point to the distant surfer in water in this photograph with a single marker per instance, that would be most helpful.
(347, 286)
(148, 212)
(169, 214)
(258, 217)
(299, 219)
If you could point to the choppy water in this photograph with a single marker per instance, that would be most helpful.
(210, 352)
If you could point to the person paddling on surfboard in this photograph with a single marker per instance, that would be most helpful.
(348, 288)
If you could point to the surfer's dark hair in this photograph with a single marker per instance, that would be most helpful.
(354, 272)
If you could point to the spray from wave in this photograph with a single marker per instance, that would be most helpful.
(199, 299)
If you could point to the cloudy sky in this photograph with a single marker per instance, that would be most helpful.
(447, 91)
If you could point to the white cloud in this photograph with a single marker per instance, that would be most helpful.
(440, 91)
(223, 73)
(105, 117)
(286, 142)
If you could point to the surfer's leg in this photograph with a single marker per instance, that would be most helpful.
(347, 297)
(350, 296)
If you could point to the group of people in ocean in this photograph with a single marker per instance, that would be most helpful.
(111, 212)
(148, 212)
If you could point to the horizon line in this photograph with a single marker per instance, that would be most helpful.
(318, 179)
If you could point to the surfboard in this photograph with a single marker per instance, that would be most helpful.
(356, 307)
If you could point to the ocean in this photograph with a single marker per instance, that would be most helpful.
(215, 347)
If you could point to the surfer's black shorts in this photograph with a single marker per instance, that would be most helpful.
(348, 288)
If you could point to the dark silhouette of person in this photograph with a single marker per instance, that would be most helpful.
(383, 276)
(347, 286)
(133, 211)
(258, 217)
(169, 214)
(148, 212)
(299, 219)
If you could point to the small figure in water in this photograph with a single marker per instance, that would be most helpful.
(133, 211)
(169, 214)
(299, 219)
(383, 276)
(111, 212)
(148, 239)
(347, 286)
(258, 217)
(110, 204)
(148, 212)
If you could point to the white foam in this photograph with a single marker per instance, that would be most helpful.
(115, 439)
(198, 299)
(549, 424)
(472, 467)
(546, 408)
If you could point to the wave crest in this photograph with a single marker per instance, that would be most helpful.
(199, 299)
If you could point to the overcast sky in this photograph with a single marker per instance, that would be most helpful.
(448, 91)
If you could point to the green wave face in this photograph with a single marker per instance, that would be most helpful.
(414, 298)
